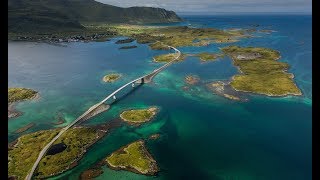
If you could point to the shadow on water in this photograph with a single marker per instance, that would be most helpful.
(131, 91)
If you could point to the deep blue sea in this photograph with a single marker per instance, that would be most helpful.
(203, 135)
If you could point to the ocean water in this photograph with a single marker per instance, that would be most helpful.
(203, 135)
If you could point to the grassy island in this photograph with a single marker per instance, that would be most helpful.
(133, 157)
(159, 46)
(111, 77)
(207, 56)
(26, 150)
(165, 57)
(261, 73)
(20, 94)
(137, 116)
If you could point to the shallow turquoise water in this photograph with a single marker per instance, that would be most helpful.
(203, 136)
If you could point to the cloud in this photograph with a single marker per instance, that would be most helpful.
(205, 6)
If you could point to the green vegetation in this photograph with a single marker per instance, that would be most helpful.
(111, 77)
(22, 157)
(261, 72)
(159, 46)
(134, 157)
(25, 152)
(207, 56)
(20, 94)
(77, 140)
(139, 115)
(182, 36)
(165, 57)
(65, 15)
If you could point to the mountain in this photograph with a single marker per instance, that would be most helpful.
(51, 15)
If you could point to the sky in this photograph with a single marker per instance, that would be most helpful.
(220, 6)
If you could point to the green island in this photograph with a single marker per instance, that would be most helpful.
(111, 77)
(20, 94)
(16, 95)
(128, 47)
(165, 57)
(137, 116)
(25, 151)
(133, 157)
(261, 73)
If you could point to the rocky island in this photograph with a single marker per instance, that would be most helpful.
(111, 77)
(138, 116)
(191, 79)
(260, 72)
(128, 47)
(133, 157)
(16, 95)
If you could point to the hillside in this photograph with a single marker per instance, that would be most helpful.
(60, 15)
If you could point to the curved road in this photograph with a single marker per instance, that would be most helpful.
(149, 76)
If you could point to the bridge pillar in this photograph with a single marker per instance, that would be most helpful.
(114, 97)
(132, 84)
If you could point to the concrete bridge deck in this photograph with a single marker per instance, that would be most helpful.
(143, 79)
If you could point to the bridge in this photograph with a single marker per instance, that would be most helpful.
(86, 115)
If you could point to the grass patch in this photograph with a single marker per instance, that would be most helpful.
(111, 77)
(165, 57)
(139, 115)
(20, 94)
(207, 56)
(159, 46)
(261, 72)
(22, 157)
(134, 157)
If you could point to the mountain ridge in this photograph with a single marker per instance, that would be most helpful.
(53, 15)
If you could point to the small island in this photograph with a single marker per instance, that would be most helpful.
(128, 47)
(124, 41)
(191, 79)
(261, 73)
(111, 77)
(138, 116)
(154, 136)
(225, 90)
(165, 57)
(20, 94)
(16, 95)
(133, 157)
